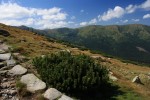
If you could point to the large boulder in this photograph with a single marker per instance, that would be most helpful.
(4, 32)
(33, 83)
(52, 94)
(6, 56)
(18, 70)
(64, 97)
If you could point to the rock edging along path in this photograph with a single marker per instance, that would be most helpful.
(8, 72)
(33, 83)
(8, 90)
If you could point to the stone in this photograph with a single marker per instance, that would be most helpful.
(5, 56)
(5, 85)
(18, 70)
(11, 62)
(64, 97)
(52, 94)
(4, 32)
(136, 79)
(12, 92)
(3, 72)
(4, 79)
(4, 47)
(4, 68)
(2, 51)
(33, 83)
(112, 77)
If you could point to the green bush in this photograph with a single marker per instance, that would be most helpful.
(71, 73)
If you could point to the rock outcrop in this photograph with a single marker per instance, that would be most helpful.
(33, 83)
(52, 94)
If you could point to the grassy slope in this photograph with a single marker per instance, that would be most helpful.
(120, 41)
(33, 45)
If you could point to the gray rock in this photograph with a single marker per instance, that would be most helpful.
(5, 85)
(136, 79)
(52, 94)
(64, 97)
(6, 56)
(4, 80)
(12, 92)
(112, 77)
(33, 83)
(18, 70)
(3, 72)
(4, 68)
(11, 62)
(4, 47)
(2, 51)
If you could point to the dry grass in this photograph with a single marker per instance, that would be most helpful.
(33, 45)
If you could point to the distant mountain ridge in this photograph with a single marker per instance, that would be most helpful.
(131, 42)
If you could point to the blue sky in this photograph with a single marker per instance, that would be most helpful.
(73, 13)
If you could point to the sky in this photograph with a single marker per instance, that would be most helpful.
(49, 14)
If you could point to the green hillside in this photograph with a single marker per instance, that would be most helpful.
(130, 42)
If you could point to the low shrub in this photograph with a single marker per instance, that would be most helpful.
(71, 73)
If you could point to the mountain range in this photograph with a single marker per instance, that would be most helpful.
(129, 42)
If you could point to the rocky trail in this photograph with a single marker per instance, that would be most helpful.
(8, 90)
(11, 70)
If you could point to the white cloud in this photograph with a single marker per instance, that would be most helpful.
(14, 14)
(146, 16)
(117, 12)
(83, 23)
(73, 17)
(93, 21)
(124, 21)
(136, 20)
(131, 8)
(82, 11)
(145, 5)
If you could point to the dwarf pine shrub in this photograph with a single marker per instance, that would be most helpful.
(68, 72)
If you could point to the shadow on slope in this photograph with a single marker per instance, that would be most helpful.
(106, 92)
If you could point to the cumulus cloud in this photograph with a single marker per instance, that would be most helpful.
(146, 16)
(91, 22)
(145, 5)
(83, 23)
(131, 8)
(117, 12)
(15, 14)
